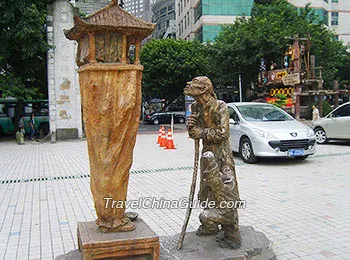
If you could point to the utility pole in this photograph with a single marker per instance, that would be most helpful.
(240, 88)
(296, 68)
(296, 51)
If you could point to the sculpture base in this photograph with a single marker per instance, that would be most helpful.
(141, 243)
(255, 246)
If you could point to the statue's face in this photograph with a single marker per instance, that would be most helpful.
(198, 86)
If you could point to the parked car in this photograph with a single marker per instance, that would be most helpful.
(264, 130)
(334, 126)
(165, 117)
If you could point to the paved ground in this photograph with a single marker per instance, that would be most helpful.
(302, 206)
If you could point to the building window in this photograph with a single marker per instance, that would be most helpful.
(198, 11)
(199, 35)
(325, 17)
(227, 8)
(335, 37)
(334, 1)
(326, 1)
(321, 15)
(335, 18)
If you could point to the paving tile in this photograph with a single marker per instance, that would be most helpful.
(301, 206)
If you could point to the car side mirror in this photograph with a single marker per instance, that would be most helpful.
(232, 121)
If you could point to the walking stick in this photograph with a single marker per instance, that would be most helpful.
(190, 198)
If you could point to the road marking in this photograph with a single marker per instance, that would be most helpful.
(140, 171)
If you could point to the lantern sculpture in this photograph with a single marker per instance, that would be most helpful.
(110, 85)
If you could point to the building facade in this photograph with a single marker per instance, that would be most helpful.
(334, 13)
(202, 19)
(164, 17)
(63, 80)
(140, 8)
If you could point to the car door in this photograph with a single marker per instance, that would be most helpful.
(235, 129)
(168, 116)
(161, 117)
(339, 123)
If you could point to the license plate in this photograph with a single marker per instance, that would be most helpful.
(294, 152)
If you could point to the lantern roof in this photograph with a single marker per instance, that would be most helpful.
(110, 18)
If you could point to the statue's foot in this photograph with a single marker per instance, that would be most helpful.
(130, 226)
(219, 236)
(225, 243)
(116, 225)
(132, 215)
(201, 231)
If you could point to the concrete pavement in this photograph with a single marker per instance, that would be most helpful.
(301, 206)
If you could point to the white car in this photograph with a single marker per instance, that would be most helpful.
(264, 130)
(334, 126)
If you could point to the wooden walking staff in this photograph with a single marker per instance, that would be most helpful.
(191, 196)
(110, 88)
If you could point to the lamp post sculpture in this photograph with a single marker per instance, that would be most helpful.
(110, 85)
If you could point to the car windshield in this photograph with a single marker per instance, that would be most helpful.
(263, 113)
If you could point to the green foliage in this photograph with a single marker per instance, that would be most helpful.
(281, 100)
(326, 108)
(239, 47)
(23, 48)
(169, 64)
(343, 74)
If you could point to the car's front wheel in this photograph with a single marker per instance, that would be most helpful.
(181, 120)
(246, 151)
(155, 121)
(321, 137)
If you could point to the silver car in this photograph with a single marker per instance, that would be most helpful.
(264, 130)
(334, 126)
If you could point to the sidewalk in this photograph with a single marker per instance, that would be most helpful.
(301, 206)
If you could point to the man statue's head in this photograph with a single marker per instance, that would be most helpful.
(199, 86)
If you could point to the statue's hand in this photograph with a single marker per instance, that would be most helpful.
(227, 178)
(192, 121)
(226, 175)
(194, 131)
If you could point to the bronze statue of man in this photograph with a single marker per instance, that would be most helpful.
(209, 122)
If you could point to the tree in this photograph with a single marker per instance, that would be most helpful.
(23, 48)
(239, 47)
(169, 64)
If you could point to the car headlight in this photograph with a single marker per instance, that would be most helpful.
(263, 134)
(310, 133)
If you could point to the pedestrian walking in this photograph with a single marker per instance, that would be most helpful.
(21, 123)
(31, 126)
(20, 131)
(315, 113)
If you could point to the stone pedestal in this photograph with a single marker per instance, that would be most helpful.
(140, 244)
(254, 246)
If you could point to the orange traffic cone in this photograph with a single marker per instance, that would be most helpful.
(162, 142)
(160, 134)
(170, 141)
